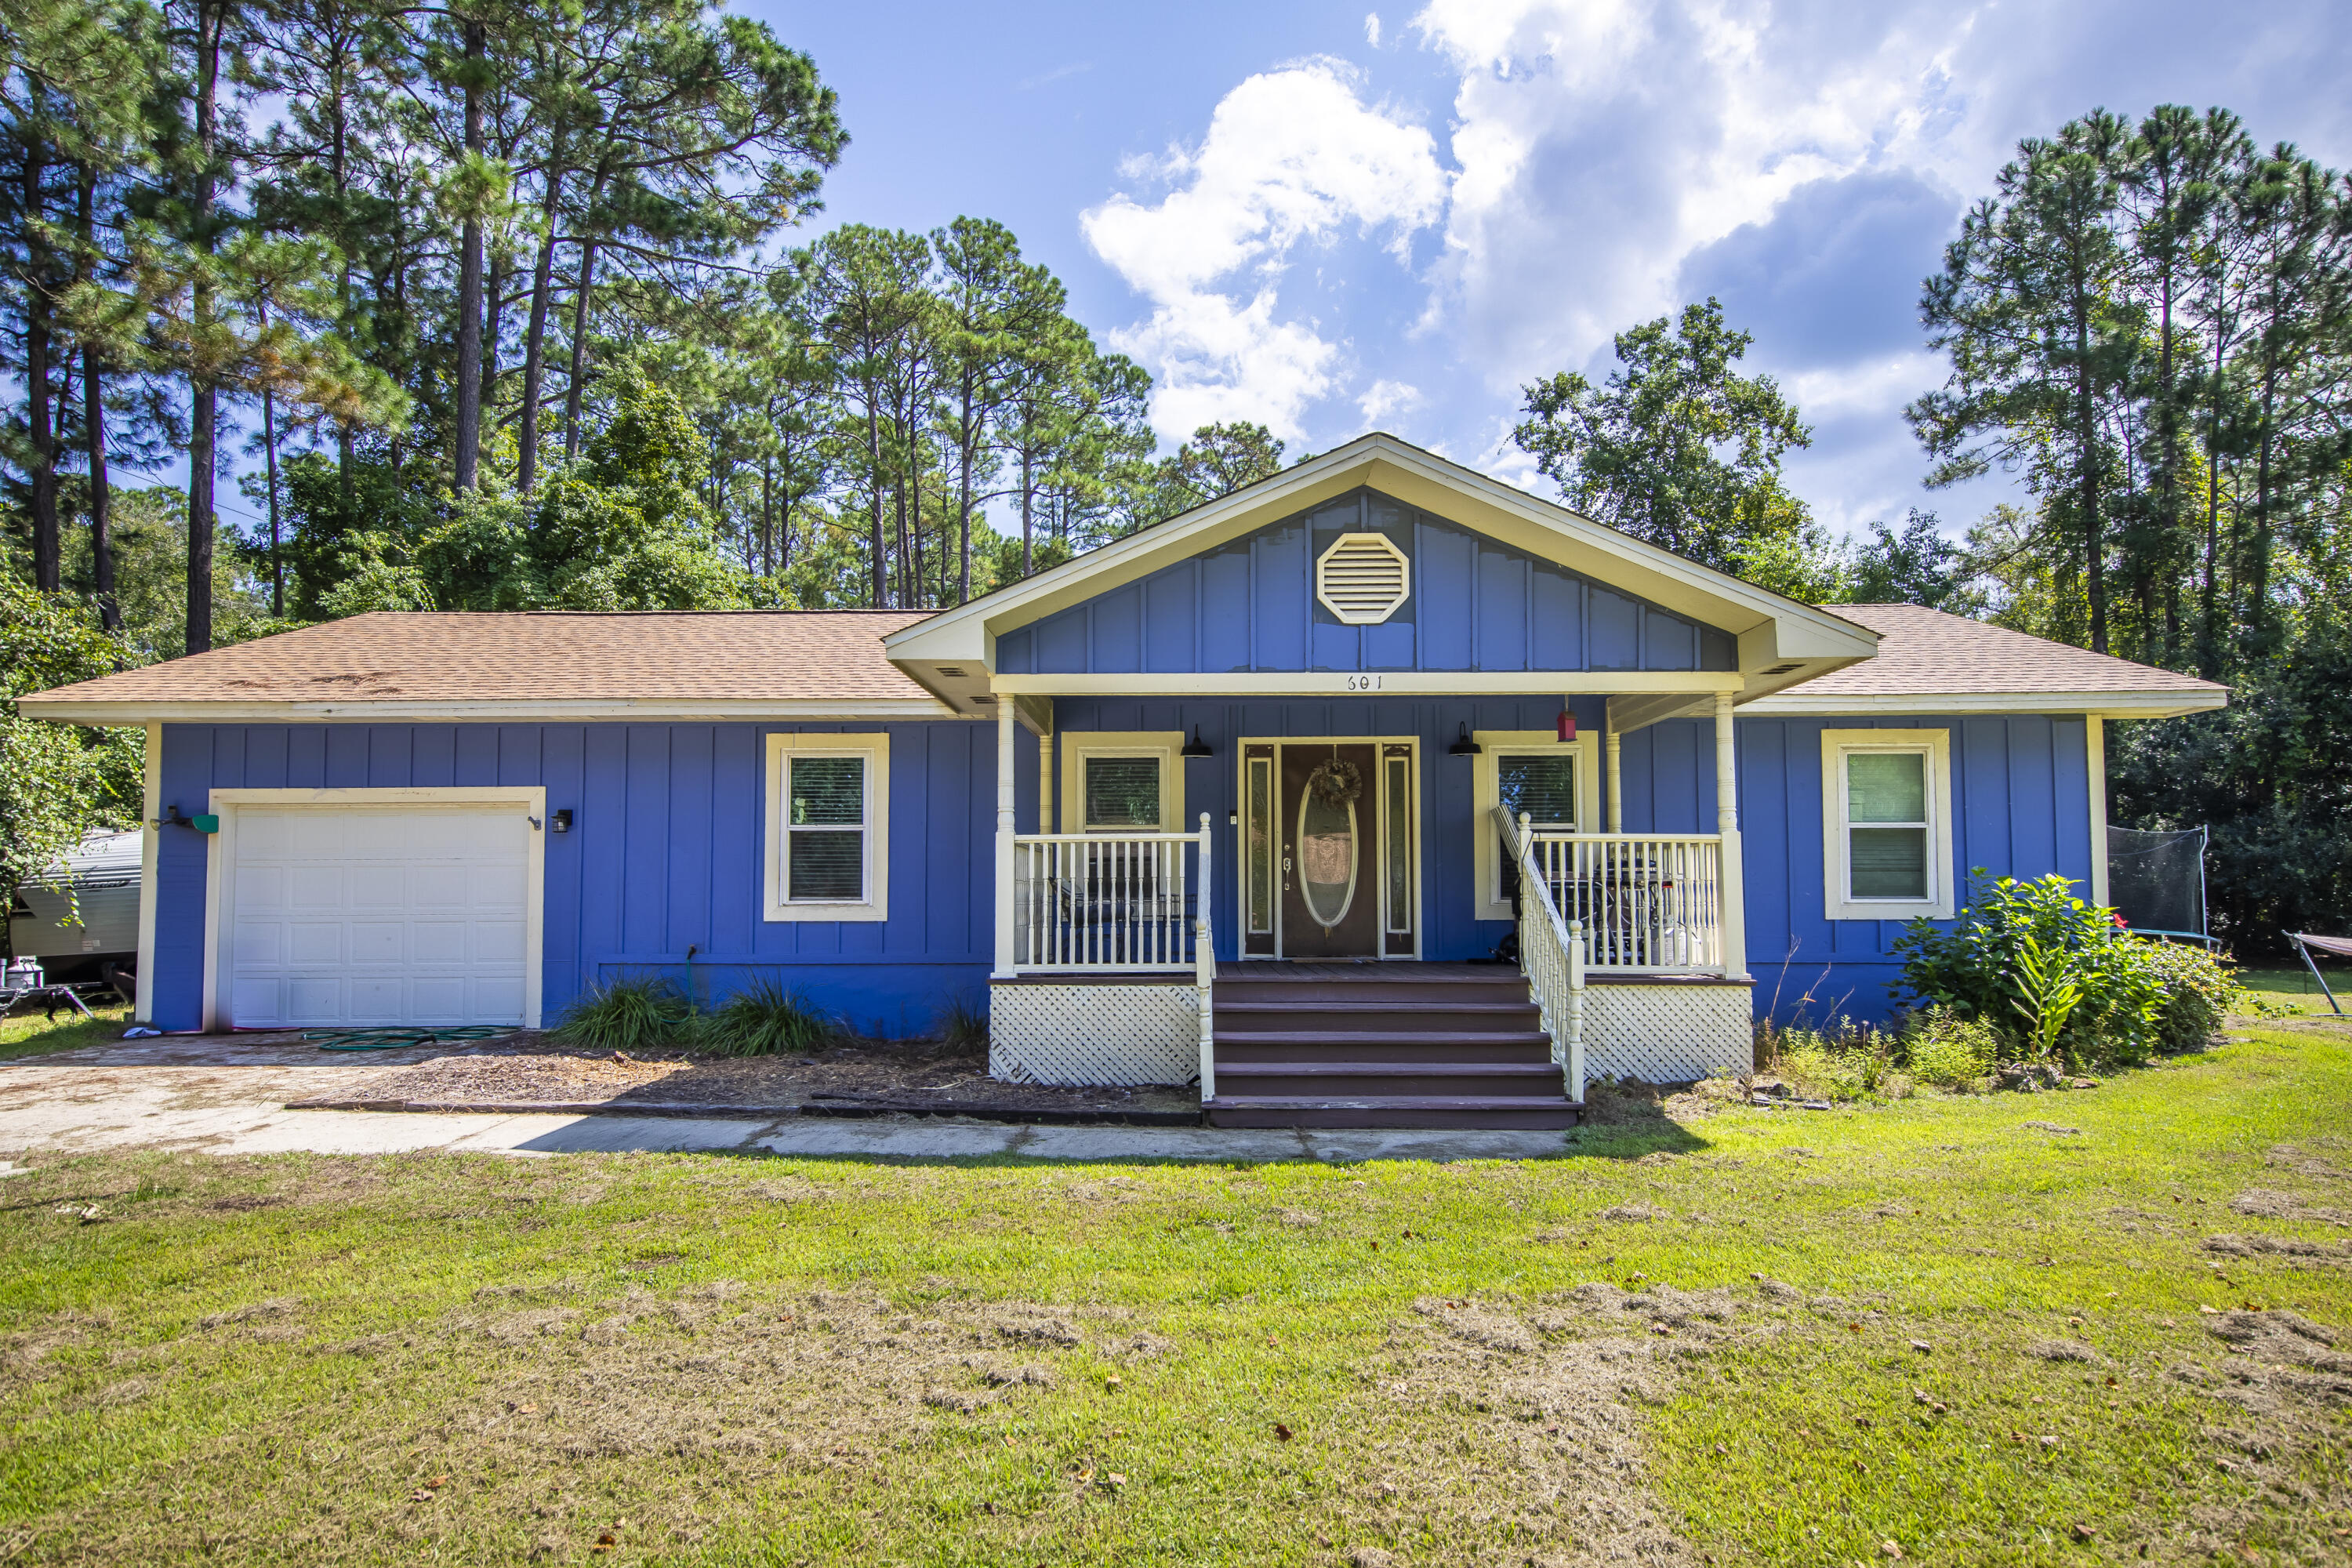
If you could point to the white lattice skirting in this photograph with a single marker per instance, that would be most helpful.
(1668, 1033)
(1094, 1034)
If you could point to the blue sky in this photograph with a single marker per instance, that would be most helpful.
(1328, 218)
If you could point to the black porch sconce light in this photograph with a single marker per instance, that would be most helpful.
(1464, 746)
(560, 822)
(1196, 747)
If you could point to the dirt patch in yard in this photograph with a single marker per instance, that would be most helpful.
(501, 1427)
(530, 1071)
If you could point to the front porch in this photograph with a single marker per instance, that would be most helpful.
(1305, 966)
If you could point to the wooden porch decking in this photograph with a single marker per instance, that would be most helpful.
(1374, 1044)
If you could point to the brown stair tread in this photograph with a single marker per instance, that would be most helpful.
(1381, 1036)
(1387, 1102)
(1372, 1005)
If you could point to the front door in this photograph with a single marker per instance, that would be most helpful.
(1330, 833)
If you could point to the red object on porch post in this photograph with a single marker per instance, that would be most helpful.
(1567, 725)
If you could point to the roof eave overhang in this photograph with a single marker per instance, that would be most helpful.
(136, 710)
(1770, 630)
(2091, 704)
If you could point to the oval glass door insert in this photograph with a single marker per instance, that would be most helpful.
(1328, 857)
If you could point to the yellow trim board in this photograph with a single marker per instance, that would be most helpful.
(1373, 683)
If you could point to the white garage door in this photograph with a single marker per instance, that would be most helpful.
(364, 915)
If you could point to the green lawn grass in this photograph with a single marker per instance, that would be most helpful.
(1702, 1331)
(29, 1033)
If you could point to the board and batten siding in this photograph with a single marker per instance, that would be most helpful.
(667, 852)
(1250, 605)
(1668, 771)
(2021, 796)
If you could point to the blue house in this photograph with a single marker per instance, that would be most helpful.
(1376, 793)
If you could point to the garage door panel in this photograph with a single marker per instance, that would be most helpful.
(314, 999)
(311, 886)
(306, 943)
(377, 942)
(442, 887)
(261, 889)
(441, 943)
(495, 998)
(260, 942)
(497, 942)
(367, 889)
(362, 915)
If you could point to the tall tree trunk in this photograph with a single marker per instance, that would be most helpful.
(881, 562)
(469, 286)
(339, 175)
(2086, 434)
(203, 395)
(534, 340)
(269, 452)
(493, 300)
(47, 561)
(576, 377)
(93, 422)
(1026, 492)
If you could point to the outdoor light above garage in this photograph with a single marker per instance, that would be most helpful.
(1362, 579)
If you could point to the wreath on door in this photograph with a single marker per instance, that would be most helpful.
(1336, 784)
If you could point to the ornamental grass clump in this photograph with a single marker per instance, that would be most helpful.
(627, 1014)
(766, 1019)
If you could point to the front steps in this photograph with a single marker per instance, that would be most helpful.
(1383, 1044)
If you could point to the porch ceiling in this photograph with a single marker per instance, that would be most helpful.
(1780, 642)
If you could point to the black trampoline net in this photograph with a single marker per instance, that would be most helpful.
(2156, 881)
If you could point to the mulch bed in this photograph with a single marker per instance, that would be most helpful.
(535, 1073)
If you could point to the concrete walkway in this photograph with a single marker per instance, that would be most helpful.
(227, 1095)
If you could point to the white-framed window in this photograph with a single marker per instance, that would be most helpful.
(1556, 782)
(828, 827)
(1122, 782)
(1887, 823)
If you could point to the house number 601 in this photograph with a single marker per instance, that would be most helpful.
(1363, 683)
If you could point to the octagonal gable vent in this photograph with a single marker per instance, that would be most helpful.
(1362, 579)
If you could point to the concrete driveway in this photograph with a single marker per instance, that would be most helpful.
(227, 1094)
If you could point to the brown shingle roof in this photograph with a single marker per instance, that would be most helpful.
(1924, 652)
(391, 657)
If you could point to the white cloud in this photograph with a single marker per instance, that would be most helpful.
(1293, 157)
(1373, 28)
(1602, 142)
(1385, 397)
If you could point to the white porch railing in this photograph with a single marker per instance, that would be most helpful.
(1103, 903)
(1646, 901)
(1552, 952)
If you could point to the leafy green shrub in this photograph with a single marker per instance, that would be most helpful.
(2052, 976)
(765, 1020)
(1942, 1048)
(626, 1015)
(2199, 989)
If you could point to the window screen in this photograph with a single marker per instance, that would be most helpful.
(1886, 824)
(825, 824)
(1123, 791)
(1542, 786)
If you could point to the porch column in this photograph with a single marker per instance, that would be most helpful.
(1613, 741)
(1003, 970)
(1727, 823)
(1045, 782)
(2095, 753)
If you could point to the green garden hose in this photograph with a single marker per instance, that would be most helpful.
(399, 1036)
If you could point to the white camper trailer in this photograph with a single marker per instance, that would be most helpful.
(102, 879)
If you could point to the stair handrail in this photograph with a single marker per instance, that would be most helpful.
(1551, 954)
(1204, 972)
